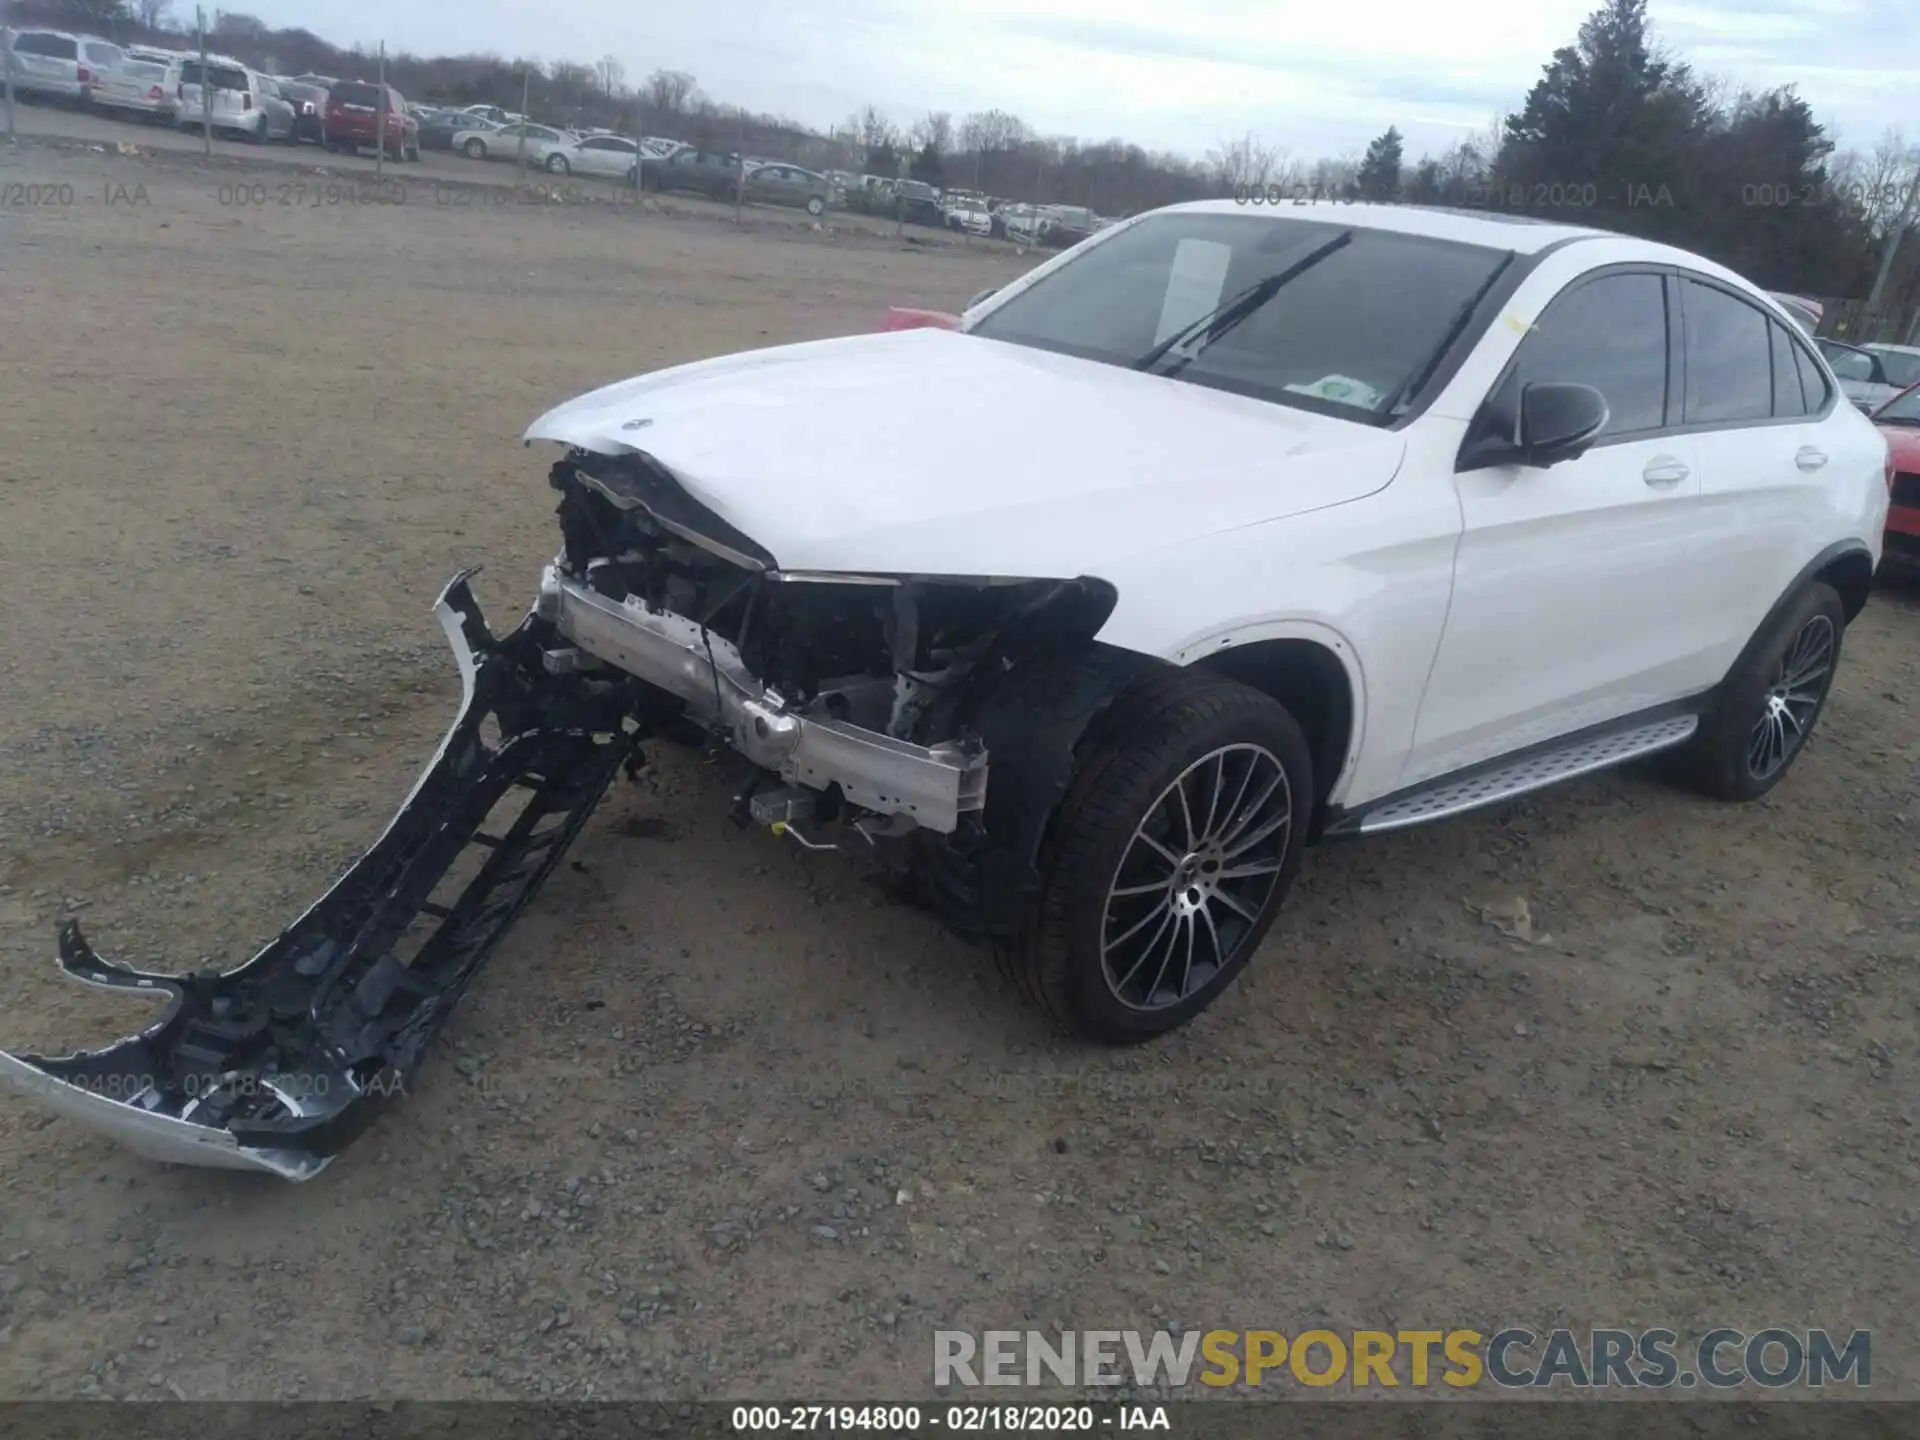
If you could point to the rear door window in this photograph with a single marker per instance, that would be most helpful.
(59, 47)
(1729, 357)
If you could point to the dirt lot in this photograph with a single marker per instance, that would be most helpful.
(721, 1120)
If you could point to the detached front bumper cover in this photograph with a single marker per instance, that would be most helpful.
(279, 1063)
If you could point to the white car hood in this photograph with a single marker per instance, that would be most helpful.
(938, 453)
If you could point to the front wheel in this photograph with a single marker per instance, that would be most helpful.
(816, 207)
(1770, 701)
(476, 149)
(557, 165)
(1169, 857)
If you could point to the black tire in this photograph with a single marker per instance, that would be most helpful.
(476, 149)
(816, 206)
(1726, 759)
(557, 165)
(1167, 729)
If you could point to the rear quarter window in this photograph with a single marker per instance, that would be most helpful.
(58, 47)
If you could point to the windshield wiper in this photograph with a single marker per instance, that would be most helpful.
(1411, 386)
(1191, 339)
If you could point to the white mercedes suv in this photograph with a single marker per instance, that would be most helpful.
(1332, 519)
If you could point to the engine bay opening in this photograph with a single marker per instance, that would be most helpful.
(893, 655)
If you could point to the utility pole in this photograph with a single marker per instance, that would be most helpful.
(520, 164)
(740, 174)
(380, 120)
(6, 64)
(1893, 237)
(206, 85)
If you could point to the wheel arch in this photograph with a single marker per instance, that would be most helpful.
(1848, 568)
(1846, 565)
(1313, 680)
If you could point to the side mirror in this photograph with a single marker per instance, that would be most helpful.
(986, 294)
(1553, 422)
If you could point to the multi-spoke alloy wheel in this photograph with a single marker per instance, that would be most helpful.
(1767, 706)
(1168, 857)
(1793, 699)
(1196, 876)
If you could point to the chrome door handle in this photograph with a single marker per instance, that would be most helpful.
(1809, 458)
(1665, 470)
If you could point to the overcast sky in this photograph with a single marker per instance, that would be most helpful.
(1314, 78)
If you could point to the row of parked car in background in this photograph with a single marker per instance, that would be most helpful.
(217, 92)
(236, 101)
(968, 211)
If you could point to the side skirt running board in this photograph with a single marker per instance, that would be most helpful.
(279, 1063)
(1512, 776)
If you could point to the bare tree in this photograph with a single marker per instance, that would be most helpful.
(235, 24)
(1889, 177)
(871, 128)
(992, 130)
(1246, 162)
(613, 76)
(934, 129)
(670, 94)
(153, 14)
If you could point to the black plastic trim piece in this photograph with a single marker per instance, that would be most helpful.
(986, 875)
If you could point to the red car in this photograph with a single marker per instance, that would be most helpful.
(361, 116)
(901, 317)
(1899, 421)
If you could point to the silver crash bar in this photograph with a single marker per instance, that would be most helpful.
(933, 785)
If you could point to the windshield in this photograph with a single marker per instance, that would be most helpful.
(1902, 367)
(1901, 410)
(1344, 335)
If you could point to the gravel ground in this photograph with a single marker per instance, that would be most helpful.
(723, 1120)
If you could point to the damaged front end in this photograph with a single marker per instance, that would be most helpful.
(857, 702)
(277, 1064)
(854, 690)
